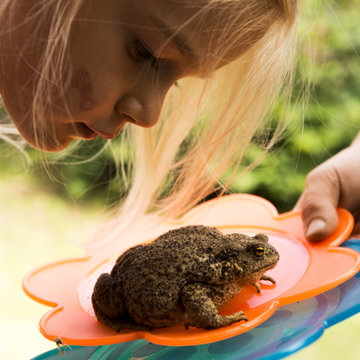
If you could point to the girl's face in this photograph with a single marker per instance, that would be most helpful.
(123, 62)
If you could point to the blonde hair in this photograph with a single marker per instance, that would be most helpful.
(205, 124)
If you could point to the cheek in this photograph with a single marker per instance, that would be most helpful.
(83, 84)
(102, 70)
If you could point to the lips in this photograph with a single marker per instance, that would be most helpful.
(84, 132)
(87, 133)
(101, 133)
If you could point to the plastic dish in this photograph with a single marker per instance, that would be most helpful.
(290, 329)
(304, 270)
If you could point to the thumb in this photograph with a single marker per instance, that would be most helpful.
(319, 202)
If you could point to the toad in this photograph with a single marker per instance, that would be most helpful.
(185, 274)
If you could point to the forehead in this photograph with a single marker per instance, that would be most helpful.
(179, 8)
(212, 30)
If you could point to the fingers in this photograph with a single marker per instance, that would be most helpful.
(333, 184)
(319, 203)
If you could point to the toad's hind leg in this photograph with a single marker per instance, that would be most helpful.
(108, 304)
(202, 310)
(107, 296)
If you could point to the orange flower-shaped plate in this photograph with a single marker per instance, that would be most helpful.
(304, 270)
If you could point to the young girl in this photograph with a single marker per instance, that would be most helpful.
(186, 83)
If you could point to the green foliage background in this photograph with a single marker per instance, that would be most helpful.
(326, 123)
(329, 119)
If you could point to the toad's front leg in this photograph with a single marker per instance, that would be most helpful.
(202, 310)
(266, 278)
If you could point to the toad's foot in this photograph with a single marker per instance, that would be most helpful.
(266, 278)
(222, 320)
(202, 310)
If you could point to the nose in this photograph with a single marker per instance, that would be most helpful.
(136, 111)
(142, 105)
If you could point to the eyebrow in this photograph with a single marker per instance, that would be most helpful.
(178, 39)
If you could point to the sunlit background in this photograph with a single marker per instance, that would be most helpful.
(44, 212)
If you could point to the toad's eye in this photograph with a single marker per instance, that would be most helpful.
(259, 251)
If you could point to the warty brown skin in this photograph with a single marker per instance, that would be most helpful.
(185, 274)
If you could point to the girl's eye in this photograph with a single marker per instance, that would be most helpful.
(141, 53)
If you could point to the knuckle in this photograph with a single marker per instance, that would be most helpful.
(323, 182)
(312, 206)
(322, 174)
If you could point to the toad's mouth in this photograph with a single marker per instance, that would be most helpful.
(265, 269)
(270, 267)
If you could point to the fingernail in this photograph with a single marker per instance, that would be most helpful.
(316, 228)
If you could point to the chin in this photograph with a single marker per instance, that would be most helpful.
(41, 139)
(48, 144)
(52, 147)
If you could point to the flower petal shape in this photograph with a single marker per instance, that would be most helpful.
(291, 328)
(303, 271)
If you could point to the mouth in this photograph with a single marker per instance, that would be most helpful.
(273, 264)
(84, 132)
(87, 133)
(104, 135)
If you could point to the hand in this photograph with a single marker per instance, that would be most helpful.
(335, 183)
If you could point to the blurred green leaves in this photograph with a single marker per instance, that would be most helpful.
(329, 119)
